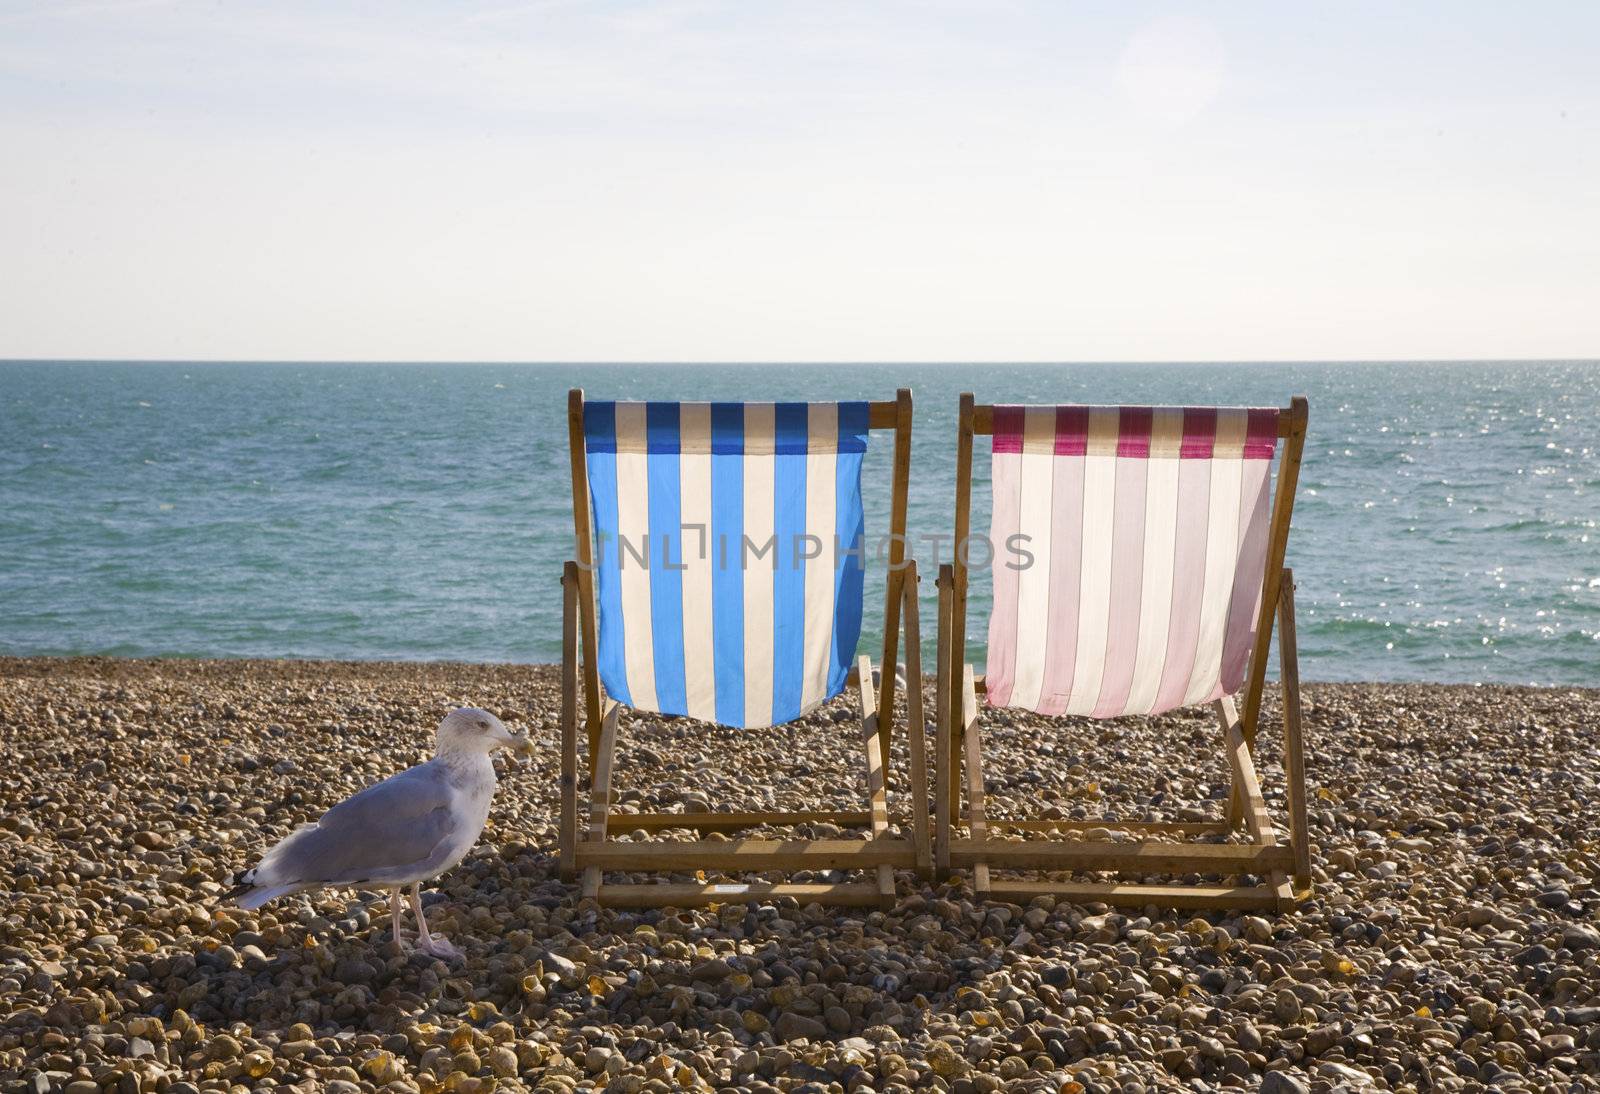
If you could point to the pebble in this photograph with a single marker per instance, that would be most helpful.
(1281, 1082)
(791, 1026)
(1450, 943)
(1580, 937)
(503, 1062)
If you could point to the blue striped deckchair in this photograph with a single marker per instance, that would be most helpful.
(719, 576)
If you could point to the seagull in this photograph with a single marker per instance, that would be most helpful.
(408, 829)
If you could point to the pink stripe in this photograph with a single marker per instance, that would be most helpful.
(1000, 669)
(1188, 579)
(1199, 432)
(1007, 427)
(1127, 579)
(1245, 599)
(1072, 430)
(1133, 432)
(1066, 571)
(1261, 434)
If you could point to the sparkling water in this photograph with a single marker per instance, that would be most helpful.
(1445, 528)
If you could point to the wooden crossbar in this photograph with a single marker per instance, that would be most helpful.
(738, 822)
(1198, 897)
(1148, 857)
(687, 895)
(1176, 828)
(753, 855)
(983, 420)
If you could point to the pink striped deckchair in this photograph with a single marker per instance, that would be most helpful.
(1138, 566)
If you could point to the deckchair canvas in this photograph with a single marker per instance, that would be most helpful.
(1153, 569)
(720, 577)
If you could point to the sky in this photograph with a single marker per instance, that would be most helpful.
(743, 180)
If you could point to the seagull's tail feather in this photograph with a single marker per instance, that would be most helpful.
(251, 897)
(269, 880)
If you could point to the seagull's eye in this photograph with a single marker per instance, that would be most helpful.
(482, 724)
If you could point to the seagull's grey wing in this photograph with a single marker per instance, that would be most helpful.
(396, 823)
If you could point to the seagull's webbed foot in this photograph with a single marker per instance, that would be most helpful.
(427, 942)
(440, 948)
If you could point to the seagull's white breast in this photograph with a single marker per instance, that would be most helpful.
(472, 786)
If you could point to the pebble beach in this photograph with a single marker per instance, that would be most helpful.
(1452, 941)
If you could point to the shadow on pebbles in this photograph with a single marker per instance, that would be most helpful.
(1452, 941)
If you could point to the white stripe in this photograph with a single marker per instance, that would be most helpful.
(633, 530)
(1222, 556)
(822, 503)
(1006, 475)
(759, 469)
(1036, 469)
(1233, 425)
(694, 477)
(1160, 553)
(1094, 595)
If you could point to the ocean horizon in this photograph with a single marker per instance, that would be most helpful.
(1444, 527)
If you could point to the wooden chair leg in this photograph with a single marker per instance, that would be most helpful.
(1294, 758)
(1257, 821)
(1227, 712)
(569, 721)
(600, 796)
(876, 789)
(977, 826)
(944, 791)
(916, 740)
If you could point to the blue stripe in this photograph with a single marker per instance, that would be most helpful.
(666, 556)
(789, 581)
(600, 439)
(726, 546)
(850, 527)
(791, 429)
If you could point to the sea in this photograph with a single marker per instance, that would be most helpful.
(1447, 526)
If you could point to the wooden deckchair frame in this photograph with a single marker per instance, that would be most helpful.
(585, 849)
(1287, 867)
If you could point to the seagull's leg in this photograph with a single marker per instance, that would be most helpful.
(425, 941)
(396, 903)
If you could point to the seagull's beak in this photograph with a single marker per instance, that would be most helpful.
(519, 744)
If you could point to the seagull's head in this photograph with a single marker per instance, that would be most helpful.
(469, 729)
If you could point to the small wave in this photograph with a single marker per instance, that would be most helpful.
(1523, 525)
